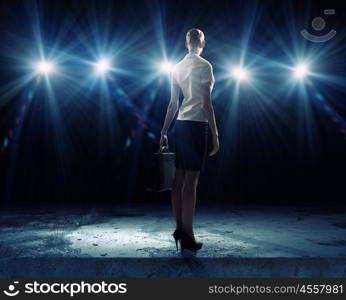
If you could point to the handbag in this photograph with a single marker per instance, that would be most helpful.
(162, 170)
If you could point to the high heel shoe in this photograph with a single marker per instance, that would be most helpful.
(177, 236)
(187, 242)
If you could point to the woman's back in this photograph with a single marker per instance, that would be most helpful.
(192, 73)
(194, 76)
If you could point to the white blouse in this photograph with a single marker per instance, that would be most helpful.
(191, 74)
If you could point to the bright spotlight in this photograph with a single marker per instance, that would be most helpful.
(240, 73)
(45, 67)
(102, 66)
(166, 67)
(301, 71)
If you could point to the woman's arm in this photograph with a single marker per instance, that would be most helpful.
(210, 116)
(209, 110)
(172, 107)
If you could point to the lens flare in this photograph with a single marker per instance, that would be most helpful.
(300, 71)
(240, 73)
(45, 67)
(166, 67)
(102, 66)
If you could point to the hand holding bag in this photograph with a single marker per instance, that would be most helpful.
(163, 170)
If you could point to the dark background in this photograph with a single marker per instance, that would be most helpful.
(70, 149)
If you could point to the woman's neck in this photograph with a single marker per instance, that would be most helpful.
(195, 51)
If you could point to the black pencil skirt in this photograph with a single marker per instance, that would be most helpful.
(192, 144)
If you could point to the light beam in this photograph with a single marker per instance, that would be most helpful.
(300, 71)
(45, 67)
(240, 74)
(166, 67)
(102, 66)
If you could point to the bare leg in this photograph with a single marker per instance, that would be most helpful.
(176, 196)
(189, 200)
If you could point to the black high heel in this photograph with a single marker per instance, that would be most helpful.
(187, 242)
(177, 236)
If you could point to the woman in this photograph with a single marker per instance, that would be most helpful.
(194, 76)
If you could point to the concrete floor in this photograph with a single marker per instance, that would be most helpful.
(301, 237)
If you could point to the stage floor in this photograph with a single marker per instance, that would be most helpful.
(249, 241)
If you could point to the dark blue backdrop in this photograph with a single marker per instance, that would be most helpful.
(74, 138)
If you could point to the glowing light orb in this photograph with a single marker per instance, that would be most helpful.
(240, 73)
(166, 67)
(300, 71)
(102, 66)
(45, 67)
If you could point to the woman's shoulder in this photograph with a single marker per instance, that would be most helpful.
(205, 64)
(178, 65)
(198, 61)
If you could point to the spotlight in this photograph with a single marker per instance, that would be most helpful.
(45, 67)
(166, 67)
(102, 66)
(300, 71)
(240, 73)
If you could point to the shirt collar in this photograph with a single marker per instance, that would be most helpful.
(191, 54)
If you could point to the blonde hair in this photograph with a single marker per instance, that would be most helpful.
(194, 39)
